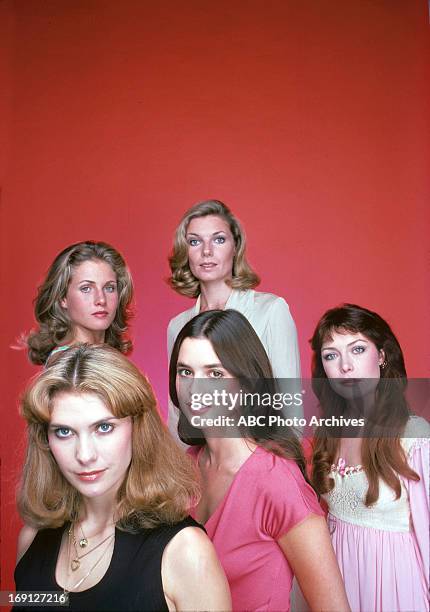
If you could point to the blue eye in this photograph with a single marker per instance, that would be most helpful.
(63, 432)
(85, 289)
(110, 288)
(220, 240)
(105, 427)
(359, 349)
(329, 356)
(193, 242)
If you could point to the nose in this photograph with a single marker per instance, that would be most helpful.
(186, 388)
(99, 297)
(207, 248)
(194, 386)
(85, 451)
(346, 365)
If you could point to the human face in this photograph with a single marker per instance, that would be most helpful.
(198, 371)
(91, 446)
(211, 248)
(91, 300)
(348, 359)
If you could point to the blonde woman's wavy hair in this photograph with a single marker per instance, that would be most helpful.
(160, 484)
(53, 319)
(182, 279)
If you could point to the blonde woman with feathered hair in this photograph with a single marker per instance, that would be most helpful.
(105, 494)
(87, 297)
(209, 263)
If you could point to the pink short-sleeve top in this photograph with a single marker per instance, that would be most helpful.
(267, 498)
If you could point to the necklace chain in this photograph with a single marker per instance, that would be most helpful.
(72, 541)
(76, 561)
(84, 541)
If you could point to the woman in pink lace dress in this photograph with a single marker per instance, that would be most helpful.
(376, 485)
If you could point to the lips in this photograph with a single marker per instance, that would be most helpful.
(190, 410)
(208, 266)
(200, 410)
(90, 476)
(101, 314)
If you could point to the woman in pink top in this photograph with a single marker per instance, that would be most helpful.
(260, 512)
(377, 488)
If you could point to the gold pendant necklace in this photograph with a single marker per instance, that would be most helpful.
(75, 563)
(92, 568)
(83, 542)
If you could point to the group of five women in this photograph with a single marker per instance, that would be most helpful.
(113, 506)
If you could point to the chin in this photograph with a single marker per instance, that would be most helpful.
(355, 392)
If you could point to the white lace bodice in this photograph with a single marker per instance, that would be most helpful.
(346, 502)
(346, 499)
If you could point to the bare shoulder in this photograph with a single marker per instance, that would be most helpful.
(192, 576)
(189, 553)
(190, 544)
(25, 538)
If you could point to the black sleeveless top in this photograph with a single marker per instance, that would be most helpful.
(132, 581)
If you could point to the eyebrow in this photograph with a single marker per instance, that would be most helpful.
(99, 422)
(213, 233)
(207, 366)
(325, 348)
(90, 282)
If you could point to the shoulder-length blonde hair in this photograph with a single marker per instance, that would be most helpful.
(53, 319)
(182, 280)
(160, 484)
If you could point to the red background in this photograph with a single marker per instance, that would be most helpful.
(309, 118)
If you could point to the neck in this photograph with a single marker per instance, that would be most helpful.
(228, 452)
(214, 296)
(362, 406)
(97, 515)
(86, 335)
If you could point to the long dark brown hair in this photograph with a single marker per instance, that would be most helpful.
(242, 354)
(382, 457)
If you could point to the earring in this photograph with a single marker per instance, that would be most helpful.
(383, 365)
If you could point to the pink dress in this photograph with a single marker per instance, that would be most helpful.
(267, 497)
(383, 551)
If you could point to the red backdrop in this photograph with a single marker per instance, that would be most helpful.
(309, 118)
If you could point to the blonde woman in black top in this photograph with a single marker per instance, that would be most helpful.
(105, 494)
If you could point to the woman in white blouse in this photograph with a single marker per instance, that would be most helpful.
(209, 263)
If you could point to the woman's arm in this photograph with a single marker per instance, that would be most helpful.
(281, 341)
(309, 551)
(193, 578)
(25, 538)
(418, 493)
